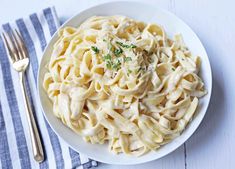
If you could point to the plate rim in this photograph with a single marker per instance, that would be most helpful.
(186, 138)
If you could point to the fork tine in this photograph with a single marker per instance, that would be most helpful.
(9, 46)
(14, 47)
(17, 46)
(21, 41)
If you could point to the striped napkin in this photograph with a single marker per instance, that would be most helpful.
(15, 145)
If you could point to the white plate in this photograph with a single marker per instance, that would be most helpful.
(147, 13)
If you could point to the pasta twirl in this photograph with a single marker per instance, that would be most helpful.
(117, 80)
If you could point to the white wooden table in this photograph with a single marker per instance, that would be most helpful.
(213, 144)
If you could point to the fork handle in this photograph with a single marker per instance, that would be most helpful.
(34, 135)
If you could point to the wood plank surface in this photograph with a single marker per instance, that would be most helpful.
(213, 144)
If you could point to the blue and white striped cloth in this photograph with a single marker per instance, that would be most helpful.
(15, 145)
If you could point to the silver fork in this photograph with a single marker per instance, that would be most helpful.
(18, 56)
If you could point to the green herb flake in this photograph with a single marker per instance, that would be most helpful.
(117, 65)
(173, 69)
(133, 46)
(95, 49)
(109, 64)
(129, 71)
(127, 59)
(107, 57)
(118, 52)
(125, 45)
(122, 44)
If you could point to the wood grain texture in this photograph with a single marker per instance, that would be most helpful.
(213, 144)
(175, 160)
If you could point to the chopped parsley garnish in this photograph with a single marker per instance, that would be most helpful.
(104, 40)
(173, 69)
(107, 57)
(127, 59)
(109, 64)
(117, 65)
(129, 72)
(133, 46)
(95, 49)
(118, 52)
(125, 45)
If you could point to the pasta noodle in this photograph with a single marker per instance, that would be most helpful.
(117, 80)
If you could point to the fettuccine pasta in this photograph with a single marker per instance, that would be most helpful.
(119, 81)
